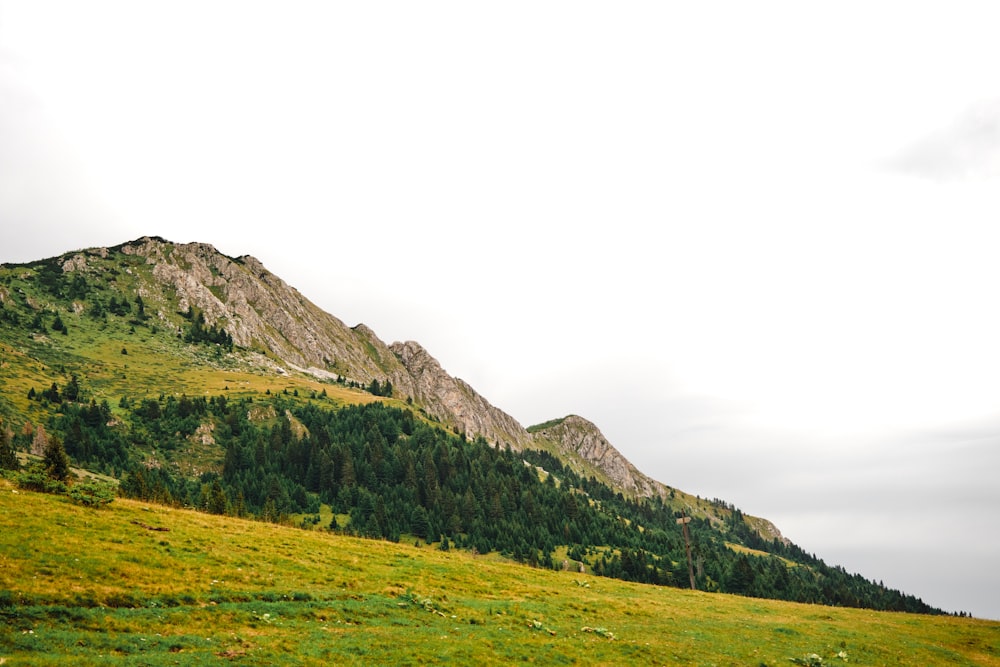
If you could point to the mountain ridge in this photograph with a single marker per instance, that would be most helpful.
(266, 315)
(235, 394)
(260, 310)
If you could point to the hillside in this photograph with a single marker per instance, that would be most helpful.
(205, 381)
(278, 337)
(161, 586)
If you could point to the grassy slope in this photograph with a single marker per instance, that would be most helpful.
(81, 586)
(156, 360)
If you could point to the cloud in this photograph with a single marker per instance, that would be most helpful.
(46, 191)
(968, 149)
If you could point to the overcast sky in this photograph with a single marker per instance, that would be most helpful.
(755, 243)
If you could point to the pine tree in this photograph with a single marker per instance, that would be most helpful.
(72, 391)
(240, 506)
(55, 459)
(419, 522)
(217, 501)
(8, 456)
(347, 476)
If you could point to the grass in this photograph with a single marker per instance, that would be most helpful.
(80, 586)
(155, 361)
(155, 357)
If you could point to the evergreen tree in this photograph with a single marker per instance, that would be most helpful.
(217, 502)
(72, 391)
(419, 522)
(96, 310)
(8, 456)
(239, 508)
(52, 393)
(55, 460)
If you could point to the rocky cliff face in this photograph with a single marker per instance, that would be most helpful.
(453, 400)
(260, 311)
(582, 444)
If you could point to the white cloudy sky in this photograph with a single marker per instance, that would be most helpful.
(756, 243)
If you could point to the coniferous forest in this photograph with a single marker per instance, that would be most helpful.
(388, 474)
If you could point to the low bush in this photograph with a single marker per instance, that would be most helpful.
(92, 493)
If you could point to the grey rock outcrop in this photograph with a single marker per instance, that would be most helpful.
(453, 400)
(262, 312)
(582, 444)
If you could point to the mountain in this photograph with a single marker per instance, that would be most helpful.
(205, 380)
(258, 309)
(264, 314)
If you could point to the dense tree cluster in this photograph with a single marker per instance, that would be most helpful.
(380, 389)
(198, 332)
(8, 455)
(395, 477)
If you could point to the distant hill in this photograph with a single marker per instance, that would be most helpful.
(203, 380)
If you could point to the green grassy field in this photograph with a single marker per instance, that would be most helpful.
(143, 584)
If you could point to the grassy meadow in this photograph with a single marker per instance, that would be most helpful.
(143, 584)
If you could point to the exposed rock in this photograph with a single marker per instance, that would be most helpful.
(203, 434)
(453, 401)
(77, 262)
(261, 311)
(765, 528)
(580, 440)
(299, 430)
(260, 413)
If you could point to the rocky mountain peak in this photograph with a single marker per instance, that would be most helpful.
(582, 444)
(262, 312)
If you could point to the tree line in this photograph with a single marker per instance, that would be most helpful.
(394, 477)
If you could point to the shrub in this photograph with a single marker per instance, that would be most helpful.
(92, 493)
(35, 478)
(122, 601)
(6, 599)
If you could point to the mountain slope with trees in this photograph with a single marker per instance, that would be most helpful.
(204, 381)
